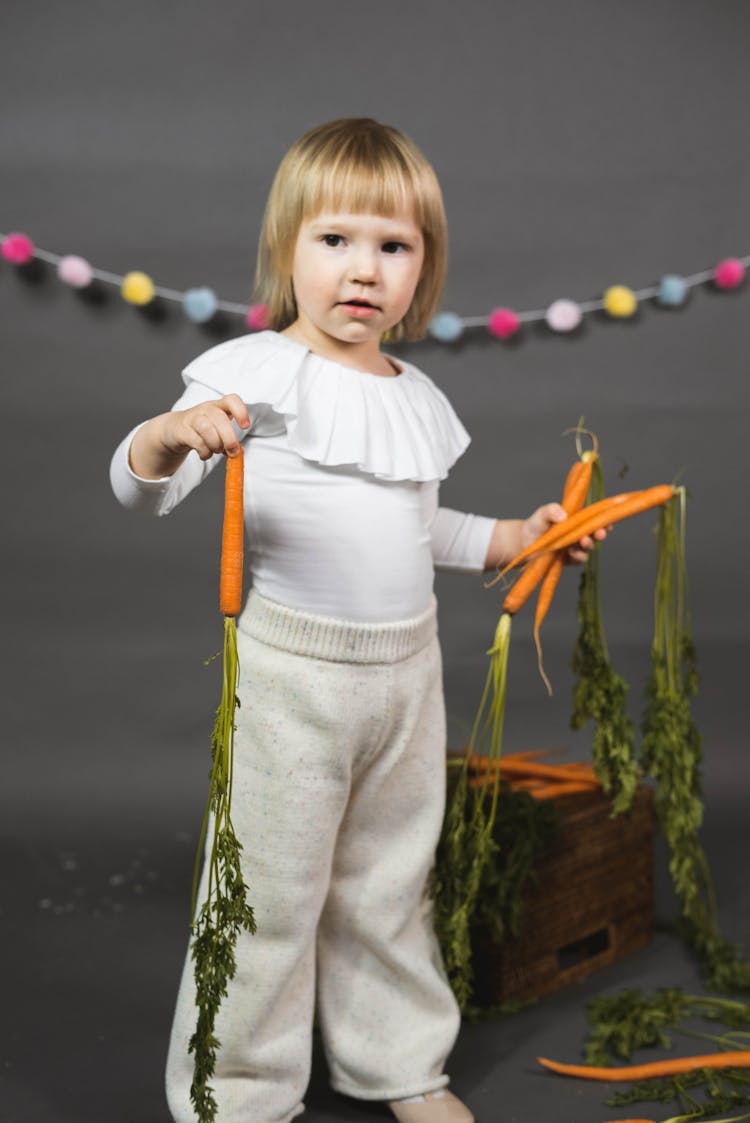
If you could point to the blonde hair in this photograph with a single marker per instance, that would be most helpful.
(357, 165)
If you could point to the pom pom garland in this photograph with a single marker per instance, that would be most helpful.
(729, 274)
(137, 288)
(75, 271)
(201, 304)
(563, 315)
(17, 248)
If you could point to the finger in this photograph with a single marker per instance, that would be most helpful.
(214, 426)
(236, 408)
(554, 512)
(227, 436)
(196, 442)
(577, 556)
(206, 436)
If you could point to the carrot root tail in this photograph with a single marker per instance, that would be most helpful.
(540, 662)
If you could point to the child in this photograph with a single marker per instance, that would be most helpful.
(340, 742)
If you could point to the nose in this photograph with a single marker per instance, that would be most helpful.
(364, 265)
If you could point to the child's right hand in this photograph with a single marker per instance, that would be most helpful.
(160, 446)
(207, 427)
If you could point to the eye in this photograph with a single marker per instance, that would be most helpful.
(332, 240)
(395, 247)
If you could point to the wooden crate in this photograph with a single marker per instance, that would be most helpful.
(593, 903)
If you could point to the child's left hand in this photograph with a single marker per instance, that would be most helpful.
(546, 516)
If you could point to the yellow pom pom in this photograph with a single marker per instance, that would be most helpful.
(137, 288)
(620, 301)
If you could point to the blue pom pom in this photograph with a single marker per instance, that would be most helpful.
(672, 290)
(446, 327)
(199, 305)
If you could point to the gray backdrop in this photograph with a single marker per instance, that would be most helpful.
(578, 145)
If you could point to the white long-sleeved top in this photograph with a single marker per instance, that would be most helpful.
(342, 471)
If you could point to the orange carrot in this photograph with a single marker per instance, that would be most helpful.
(578, 483)
(669, 1067)
(524, 585)
(530, 768)
(593, 517)
(568, 787)
(572, 503)
(531, 754)
(232, 537)
(574, 496)
(544, 600)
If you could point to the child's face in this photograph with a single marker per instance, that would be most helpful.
(355, 275)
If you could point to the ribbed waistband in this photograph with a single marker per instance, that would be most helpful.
(341, 641)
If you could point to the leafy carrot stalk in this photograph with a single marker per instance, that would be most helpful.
(466, 845)
(600, 693)
(225, 910)
(669, 1067)
(593, 517)
(671, 753)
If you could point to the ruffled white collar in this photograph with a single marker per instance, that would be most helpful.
(399, 428)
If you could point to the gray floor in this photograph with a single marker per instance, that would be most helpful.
(94, 917)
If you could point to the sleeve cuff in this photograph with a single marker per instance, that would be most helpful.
(131, 490)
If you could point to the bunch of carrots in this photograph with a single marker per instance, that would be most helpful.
(522, 771)
(544, 559)
(466, 845)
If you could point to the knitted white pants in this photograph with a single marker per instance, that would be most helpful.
(338, 801)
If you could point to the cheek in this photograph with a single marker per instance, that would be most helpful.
(305, 281)
(410, 283)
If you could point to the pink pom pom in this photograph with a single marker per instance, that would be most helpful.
(563, 315)
(75, 271)
(18, 249)
(729, 274)
(257, 317)
(503, 323)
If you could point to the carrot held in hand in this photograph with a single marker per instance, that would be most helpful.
(225, 910)
(592, 518)
(672, 1066)
(574, 496)
(232, 537)
(544, 600)
(572, 502)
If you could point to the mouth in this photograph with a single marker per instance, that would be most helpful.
(358, 307)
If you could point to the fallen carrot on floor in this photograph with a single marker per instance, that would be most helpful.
(671, 1066)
